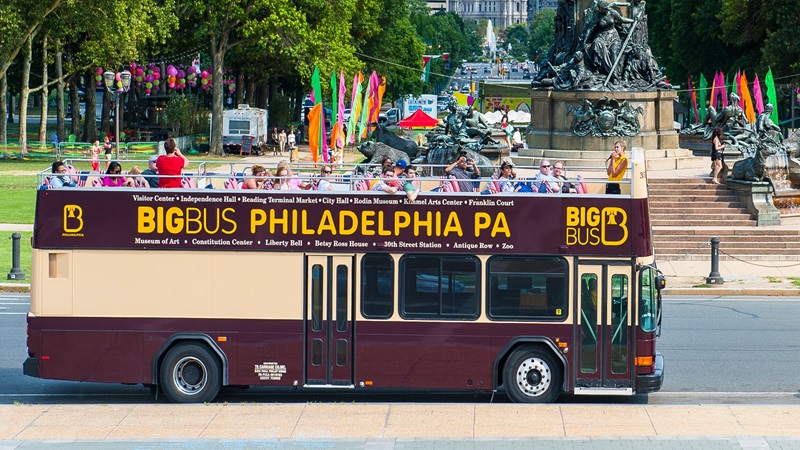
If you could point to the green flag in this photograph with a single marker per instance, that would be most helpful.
(362, 123)
(316, 97)
(316, 88)
(701, 104)
(772, 95)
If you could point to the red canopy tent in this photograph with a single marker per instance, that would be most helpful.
(418, 119)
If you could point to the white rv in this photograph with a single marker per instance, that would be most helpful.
(244, 121)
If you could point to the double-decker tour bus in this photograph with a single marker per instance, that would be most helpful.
(191, 290)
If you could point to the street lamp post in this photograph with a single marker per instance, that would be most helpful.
(124, 79)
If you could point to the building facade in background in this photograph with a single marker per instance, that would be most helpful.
(503, 13)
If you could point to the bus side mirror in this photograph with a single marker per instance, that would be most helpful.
(661, 282)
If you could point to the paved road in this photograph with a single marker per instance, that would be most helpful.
(718, 351)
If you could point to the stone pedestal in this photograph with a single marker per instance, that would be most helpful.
(757, 197)
(550, 134)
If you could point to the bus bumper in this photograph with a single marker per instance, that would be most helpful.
(31, 367)
(651, 382)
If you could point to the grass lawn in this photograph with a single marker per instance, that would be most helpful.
(6, 261)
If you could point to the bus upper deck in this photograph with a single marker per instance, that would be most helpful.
(350, 217)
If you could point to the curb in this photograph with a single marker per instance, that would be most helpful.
(9, 288)
(732, 292)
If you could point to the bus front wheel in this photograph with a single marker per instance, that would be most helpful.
(531, 376)
(190, 373)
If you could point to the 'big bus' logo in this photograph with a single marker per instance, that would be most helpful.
(596, 226)
(73, 219)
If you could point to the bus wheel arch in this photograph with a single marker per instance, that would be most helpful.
(190, 369)
(531, 371)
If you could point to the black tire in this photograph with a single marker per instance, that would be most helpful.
(532, 376)
(190, 373)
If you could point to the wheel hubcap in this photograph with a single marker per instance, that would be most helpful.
(534, 377)
(190, 375)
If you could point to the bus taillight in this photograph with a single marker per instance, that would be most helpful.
(644, 361)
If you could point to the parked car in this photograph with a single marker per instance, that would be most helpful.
(391, 117)
(346, 114)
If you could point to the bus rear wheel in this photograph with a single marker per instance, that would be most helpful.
(531, 376)
(190, 373)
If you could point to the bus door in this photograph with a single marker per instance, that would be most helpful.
(603, 356)
(328, 321)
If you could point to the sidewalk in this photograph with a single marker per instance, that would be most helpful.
(404, 425)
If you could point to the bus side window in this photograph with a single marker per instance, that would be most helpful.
(377, 286)
(527, 287)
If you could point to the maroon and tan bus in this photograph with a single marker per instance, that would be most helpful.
(190, 290)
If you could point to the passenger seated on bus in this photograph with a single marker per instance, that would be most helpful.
(286, 181)
(259, 179)
(506, 178)
(151, 170)
(60, 177)
(411, 185)
(384, 183)
(545, 182)
(323, 183)
(114, 177)
(134, 180)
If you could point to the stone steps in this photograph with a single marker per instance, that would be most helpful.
(687, 212)
(663, 159)
(706, 222)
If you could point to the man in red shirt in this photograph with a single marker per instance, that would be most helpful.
(171, 164)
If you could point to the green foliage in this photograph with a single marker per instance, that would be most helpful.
(542, 33)
(185, 115)
(518, 37)
(280, 110)
(710, 35)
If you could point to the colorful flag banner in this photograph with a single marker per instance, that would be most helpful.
(355, 107)
(316, 88)
(772, 95)
(362, 122)
(747, 100)
(703, 93)
(426, 68)
(315, 132)
(758, 96)
(373, 107)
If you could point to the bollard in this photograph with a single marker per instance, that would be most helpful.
(714, 277)
(16, 272)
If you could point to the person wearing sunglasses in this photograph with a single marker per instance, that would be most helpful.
(114, 177)
(324, 184)
(545, 182)
(259, 178)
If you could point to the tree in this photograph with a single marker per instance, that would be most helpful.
(542, 33)
(518, 37)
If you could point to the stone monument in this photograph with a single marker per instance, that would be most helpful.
(599, 83)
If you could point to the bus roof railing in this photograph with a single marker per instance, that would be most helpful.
(345, 177)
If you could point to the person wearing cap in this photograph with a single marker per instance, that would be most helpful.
(151, 171)
(399, 172)
(506, 177)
